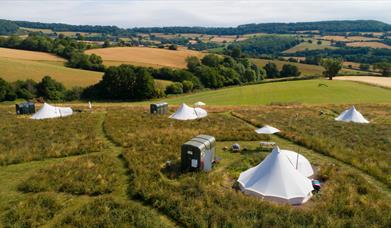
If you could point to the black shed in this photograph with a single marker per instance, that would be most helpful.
(25, 108)
(198, 153)
(159, 108)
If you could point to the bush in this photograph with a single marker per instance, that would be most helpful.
(25, 89)
(50, 89)
(73, 94)
(174, 88)
(187, 86)
(124, 82)
(7, 92)
(289, 70)
(271, 70)
(173, 47)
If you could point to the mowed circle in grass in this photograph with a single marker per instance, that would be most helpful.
(144, 56)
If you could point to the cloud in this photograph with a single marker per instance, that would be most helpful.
(125, 13)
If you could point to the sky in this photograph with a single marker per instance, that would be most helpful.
(148, 13)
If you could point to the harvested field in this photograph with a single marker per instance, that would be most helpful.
(144, 56)
(380, 81)
(349, 38)
(19, 69)
(28, 55)
(368, 44)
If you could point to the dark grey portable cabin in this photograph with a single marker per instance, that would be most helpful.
(159, 108)
(25, 108)
(198, 153)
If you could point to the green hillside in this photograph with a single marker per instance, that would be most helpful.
(307, 91)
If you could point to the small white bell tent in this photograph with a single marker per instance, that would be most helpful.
(276, 179)
(352, 115)
(48, 111)
(299, 162)
(267, 130)
(185, 112)
(199, 103)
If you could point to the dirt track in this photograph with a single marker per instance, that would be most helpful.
(381, 81)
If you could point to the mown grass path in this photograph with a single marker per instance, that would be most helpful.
(315, 156)
(12, 175)
(121, 191)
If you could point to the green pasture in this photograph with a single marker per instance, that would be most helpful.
(305, 91)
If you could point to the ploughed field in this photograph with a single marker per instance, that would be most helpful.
(111, 162)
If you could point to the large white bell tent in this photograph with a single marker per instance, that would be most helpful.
(267, 130)
(352, 115)
(185, 112)
(299, 162)
(276, 179)
(48, 111)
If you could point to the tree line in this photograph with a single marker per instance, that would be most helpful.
(321, 26)
(47, 89)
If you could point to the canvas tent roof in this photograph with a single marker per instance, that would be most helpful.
(48, 111)
(267, 130)
(299, 162)
(276, 179)
(185, 112)
(352, 115)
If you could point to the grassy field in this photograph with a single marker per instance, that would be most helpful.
(143, 56)
(305, 69)
(310, 46)
(126, 183)
(363, 146)
(306, 92)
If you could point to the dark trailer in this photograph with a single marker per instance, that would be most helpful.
(198, 153)
(159, 108)
(25, 108)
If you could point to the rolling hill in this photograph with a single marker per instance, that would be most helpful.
(143, 56)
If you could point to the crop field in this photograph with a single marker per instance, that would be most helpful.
(310, 46)
(379, 81)
(144, 56)
(127, 183)
(349, 38)
(19, 69)
(368, 44)
(28, 55)
(306, 92)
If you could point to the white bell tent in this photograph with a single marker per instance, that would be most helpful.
(299, 162)
(267, 130)
(48, 111)
(352, 115)
(199, 103)
(185, 112)
(276, 179)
